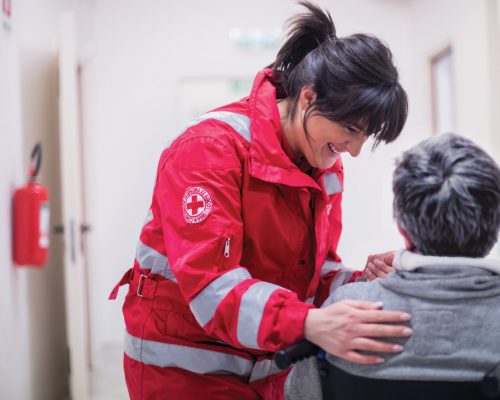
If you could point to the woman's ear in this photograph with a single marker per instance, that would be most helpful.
(307, 97)
(408, 243)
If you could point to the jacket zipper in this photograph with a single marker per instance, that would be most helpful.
(227, 247)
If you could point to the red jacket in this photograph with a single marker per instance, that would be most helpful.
(233, 249)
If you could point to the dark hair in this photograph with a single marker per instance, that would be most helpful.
(447, 197)
(354, 78)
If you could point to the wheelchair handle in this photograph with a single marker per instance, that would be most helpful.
(490, 384)
(284, 358)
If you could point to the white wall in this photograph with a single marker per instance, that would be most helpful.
(13, 298)
(33, 361)
(133, 58)
(429, 26)
(472, 30)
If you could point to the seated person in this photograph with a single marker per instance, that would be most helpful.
(447, 206)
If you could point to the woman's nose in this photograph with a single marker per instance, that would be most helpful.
(354, 146)
(353, 150)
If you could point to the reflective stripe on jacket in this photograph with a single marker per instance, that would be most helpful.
(235, 242)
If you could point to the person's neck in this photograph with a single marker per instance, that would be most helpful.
(287, 126)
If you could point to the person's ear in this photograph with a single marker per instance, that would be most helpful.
(408, 243)
(307, 97)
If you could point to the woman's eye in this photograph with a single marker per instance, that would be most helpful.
(352, 129)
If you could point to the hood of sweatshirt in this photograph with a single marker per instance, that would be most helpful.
(452, 278)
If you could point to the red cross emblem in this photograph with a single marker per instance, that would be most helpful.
(196, 204)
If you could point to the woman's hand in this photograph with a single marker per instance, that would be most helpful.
(345, 327)
(378, 265)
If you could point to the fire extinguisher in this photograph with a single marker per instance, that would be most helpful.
(31, 217)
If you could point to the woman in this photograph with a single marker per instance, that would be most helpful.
(242, 232)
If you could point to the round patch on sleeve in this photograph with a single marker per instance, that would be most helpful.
(196, 204)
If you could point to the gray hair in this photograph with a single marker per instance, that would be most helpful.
(447, 197)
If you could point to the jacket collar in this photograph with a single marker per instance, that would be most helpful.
(268, 160)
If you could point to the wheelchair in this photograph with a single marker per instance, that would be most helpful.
(337, 384)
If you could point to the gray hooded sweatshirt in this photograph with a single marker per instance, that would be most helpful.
(455, 307)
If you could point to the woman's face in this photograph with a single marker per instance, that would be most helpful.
(325, 140)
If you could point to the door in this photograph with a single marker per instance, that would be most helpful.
(75, 275)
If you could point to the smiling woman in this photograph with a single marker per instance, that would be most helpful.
(240, 242)
(320, 141)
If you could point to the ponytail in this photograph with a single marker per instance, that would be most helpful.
(307, 31)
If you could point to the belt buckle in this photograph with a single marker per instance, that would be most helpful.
(140, 285)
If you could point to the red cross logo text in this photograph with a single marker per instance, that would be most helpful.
(196, 204)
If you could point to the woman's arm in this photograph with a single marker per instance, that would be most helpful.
(204, 173)
(345, 327)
